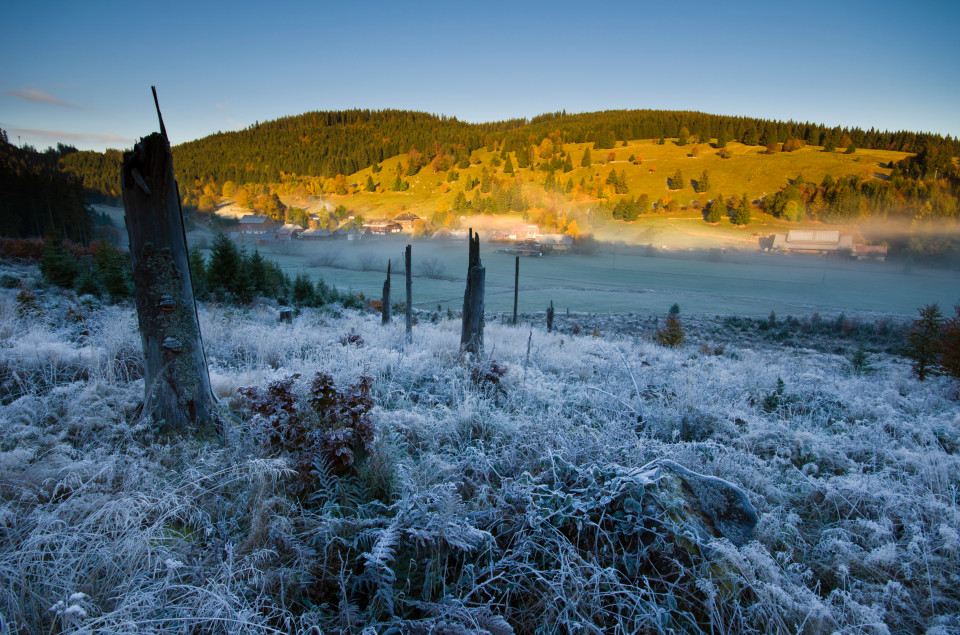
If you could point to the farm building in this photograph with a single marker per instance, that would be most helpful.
(870, 252)
(406, 220)
(524, 232)
(382, 227)
(289, 231)
(814, 241)
(252, 224)
(556, 242)
(316, 234)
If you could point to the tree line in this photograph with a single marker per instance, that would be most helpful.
(327, 144)
(37, 198)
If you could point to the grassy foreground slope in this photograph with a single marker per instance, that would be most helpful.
(510, 498)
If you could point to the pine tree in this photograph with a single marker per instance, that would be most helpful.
(57, 265)
(86, 283)
(371, 186)
(923, 341)
(243, 287)
(585, 162)
(257, 270)
(949, 345)
(769, 134)
(717, 209)
(549, 182)
(676, 181)
(621, 183)
(684, 133)
(671, 335)
(459, 204)
(722, 137)
(508, 166)
(113, 270)
(224, 264)
(703, 183)
(741, 215)
(303, 294)
(485, 182)
(567, 164)
(198, 274)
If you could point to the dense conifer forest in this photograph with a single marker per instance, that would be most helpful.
(37, 197)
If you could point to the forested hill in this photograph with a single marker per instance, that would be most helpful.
(329, 143)
(37, 198)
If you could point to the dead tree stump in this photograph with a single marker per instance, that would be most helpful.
(177, 384)
(407, 258)
(471, 336)
(516, 290)
(385, 311)
(550, 318)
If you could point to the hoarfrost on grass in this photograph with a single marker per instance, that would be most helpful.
(479, 492)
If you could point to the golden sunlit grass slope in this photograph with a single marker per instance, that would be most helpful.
(748, 170)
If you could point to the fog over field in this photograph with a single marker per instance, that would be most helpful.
(638, 279)
(621, 278)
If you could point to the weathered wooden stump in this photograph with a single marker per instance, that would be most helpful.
(407, 260)
(385, 310)
(516, 290)
(471, 335)
(177, 384)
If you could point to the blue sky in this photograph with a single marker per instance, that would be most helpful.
(80, 72)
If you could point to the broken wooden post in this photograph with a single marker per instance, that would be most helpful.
(471, 336)
(286, 315)
(550, 318)
(177, 384)
(409, 272)
(385, 311)
(516, 290)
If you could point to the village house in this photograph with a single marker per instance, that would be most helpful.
(254, 225)
(382, 227)
(524, 232)
(316, 234)
(406, 220)
(870, 252)
(812, 241)
(556, 242)
(289, 231)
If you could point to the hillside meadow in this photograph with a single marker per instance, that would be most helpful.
(557, 484)
(749, 171)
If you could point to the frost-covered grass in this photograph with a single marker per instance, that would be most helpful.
(518, 505)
